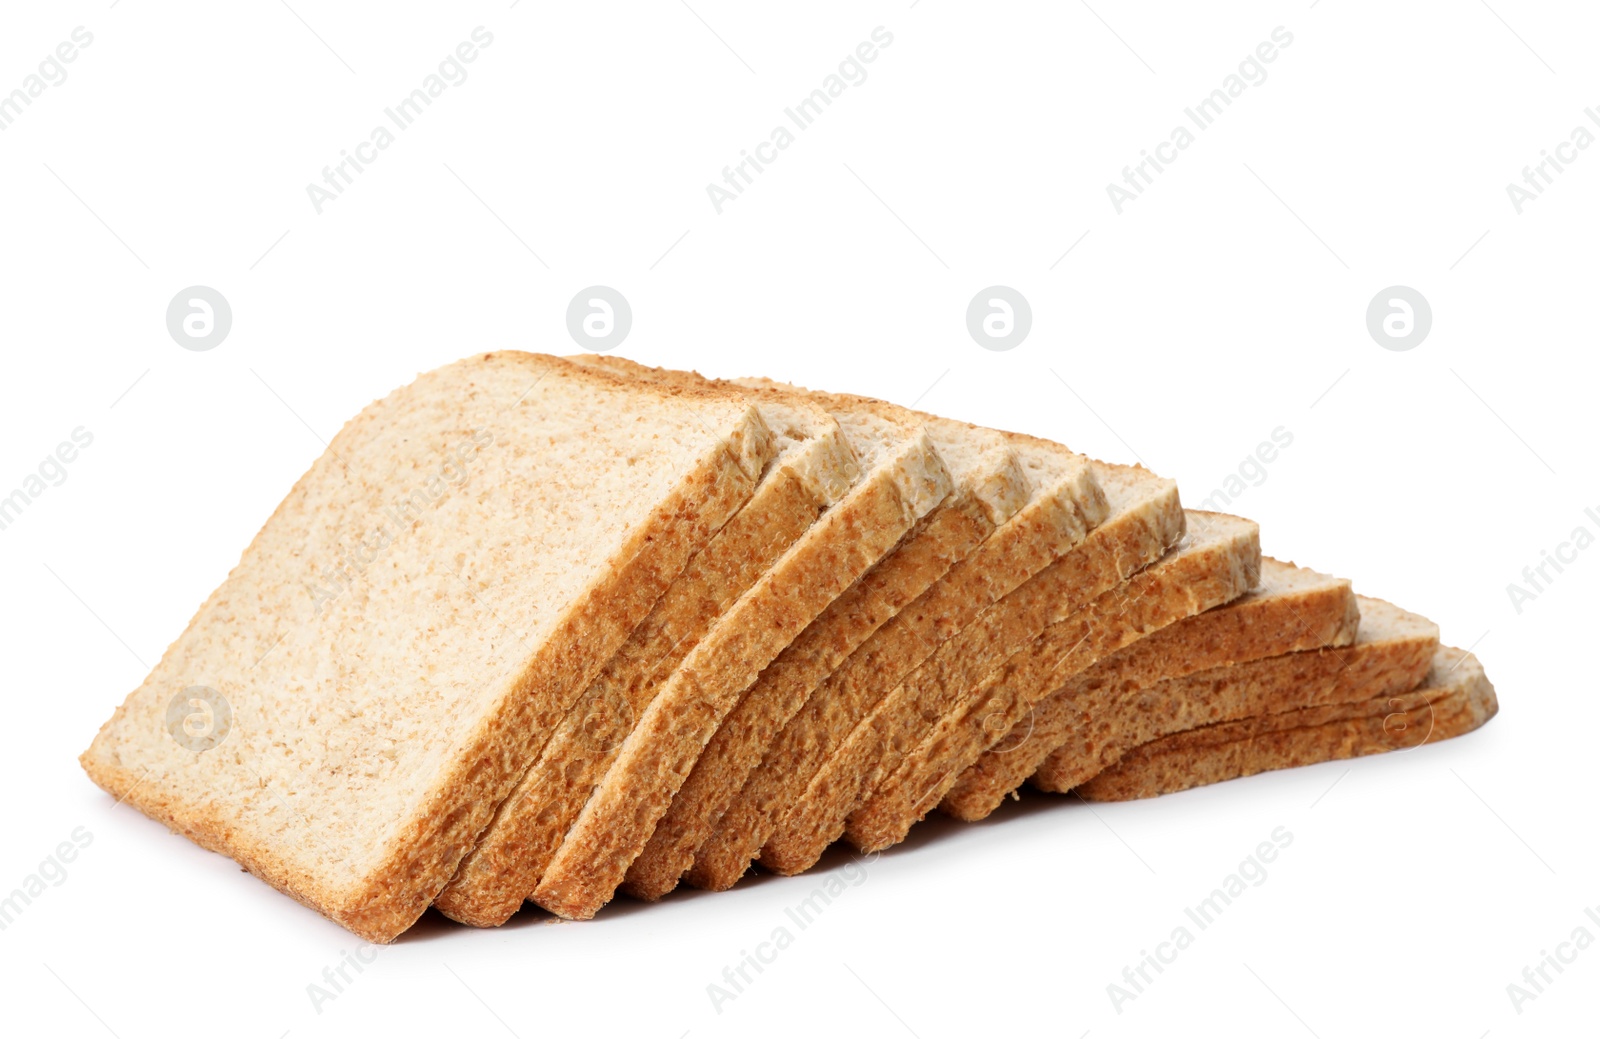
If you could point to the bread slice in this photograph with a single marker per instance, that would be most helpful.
(1391, 654)
(990, 487)
(1145, 519)
(1218, 561)
(1454, 699)
(814, 467)
(1292, 609)
(904, 479)
(1066, 503)
(413, 620)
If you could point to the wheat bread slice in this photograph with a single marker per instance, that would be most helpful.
(903, 479)
(1218, 560)
(1454, 698)
(1292, 609)
(1067, 501)
(814, 467)
(990, 486)
(413, 620)
(1391, 653)
(1145, 518)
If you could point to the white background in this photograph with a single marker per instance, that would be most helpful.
(1228, 300)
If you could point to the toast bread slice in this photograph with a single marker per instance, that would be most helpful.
(1067, 502)
(1292, 609)
(903, 479)
(814, 467)
(1145, 519)
(1454, 698)
(410, 624)
(1392, 652)
(990, 485)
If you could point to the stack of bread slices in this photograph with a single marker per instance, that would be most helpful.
(546, 629)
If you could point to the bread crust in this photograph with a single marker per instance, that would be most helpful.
(990, 488)
(621, 814)
(1148, 521)
(1058, 515)
(1219, 561)
(1455, 698)
(1392, 652)
(1103, 707)
(494, 879)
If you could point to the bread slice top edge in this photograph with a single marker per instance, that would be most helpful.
(809, 440)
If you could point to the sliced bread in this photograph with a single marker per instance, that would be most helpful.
(1391, 653)
(396, 644)
(1067, 501)
(1292, 609)
(903, 479)
(990, 485)
(1218, 560)
(1454, 698)
(814, 467)
(1145, 518)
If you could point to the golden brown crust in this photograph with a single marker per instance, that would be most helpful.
(492, 882)
(618, 819)
(1127, 541)
(813, 470)
(1391, 654)
(1222, 564)
(1102, 707)
(947, 535)
(1058, 515)
(1454, 699)
(908, 479)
